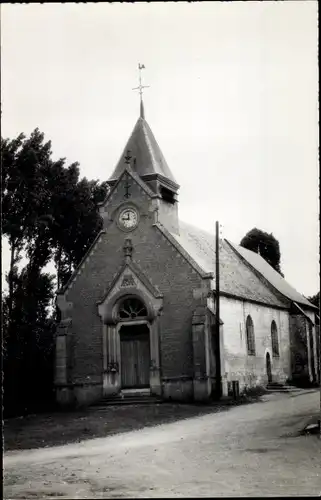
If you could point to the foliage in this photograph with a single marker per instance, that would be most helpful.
(48, 214)
(28, 343)
(315, 299)
(265, 244)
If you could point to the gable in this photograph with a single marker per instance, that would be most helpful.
(142, 199)
(115, 185)
(129, 189)
(82, 263)
(130, 280)
(127, 277)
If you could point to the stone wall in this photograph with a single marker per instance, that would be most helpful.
(249, 370)
(314, 340)
(304, 348)
(299, 349)
(318, 347)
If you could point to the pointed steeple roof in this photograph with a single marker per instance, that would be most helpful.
(147, 156)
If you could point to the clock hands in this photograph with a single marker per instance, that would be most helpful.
(126, 218)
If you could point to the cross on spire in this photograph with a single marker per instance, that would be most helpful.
(128, 157)
(140, 89)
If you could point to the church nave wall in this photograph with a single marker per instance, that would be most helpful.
(250, 370)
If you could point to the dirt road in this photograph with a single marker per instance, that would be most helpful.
(250, 450)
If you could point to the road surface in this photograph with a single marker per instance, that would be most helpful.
(251, 450)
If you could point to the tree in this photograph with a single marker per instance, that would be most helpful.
(26, 203)
(315, 299)
(74, 234)
(48, 213)
(28, 344)
(265, 244)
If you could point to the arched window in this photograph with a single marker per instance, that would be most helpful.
(250, 340)
(275, 340)
(131, 308)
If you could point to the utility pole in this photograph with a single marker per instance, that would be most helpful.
(217, 313)
(319, 360)
(319, 353)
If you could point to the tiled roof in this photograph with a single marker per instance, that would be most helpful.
(236, 278)
(144, 148)
(271, 275)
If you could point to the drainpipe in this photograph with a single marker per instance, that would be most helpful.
(319, 352)
(217, 315)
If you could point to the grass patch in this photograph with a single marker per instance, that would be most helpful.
(40, 431)
(60, 428)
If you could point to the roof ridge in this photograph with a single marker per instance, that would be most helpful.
(148, 142)
(235, 248)
(236, 277)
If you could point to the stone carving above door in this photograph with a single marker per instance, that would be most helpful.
(128, 280)
(131, 281)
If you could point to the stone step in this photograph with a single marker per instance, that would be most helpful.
(278, 390)
(274, 387)
(105, 405)
(126, 400)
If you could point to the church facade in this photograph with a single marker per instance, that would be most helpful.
(139, 311)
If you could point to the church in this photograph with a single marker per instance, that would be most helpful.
(139, 312)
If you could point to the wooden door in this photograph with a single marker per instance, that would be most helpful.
(268, 368)
(128, 363)
(311, 341)
(135, 358)
(143, 362)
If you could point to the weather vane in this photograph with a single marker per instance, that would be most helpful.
(140, 88)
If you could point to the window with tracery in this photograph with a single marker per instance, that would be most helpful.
(275, 340)
(132, 308)
(250, 340)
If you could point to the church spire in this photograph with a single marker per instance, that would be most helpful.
(148, 160)
(142, 111)
(140, 89)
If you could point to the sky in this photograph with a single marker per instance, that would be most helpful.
(232, 102)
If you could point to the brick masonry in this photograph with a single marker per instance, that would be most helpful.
(163, 265)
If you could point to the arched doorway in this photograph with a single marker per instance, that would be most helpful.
(134, 344)
(268, 367)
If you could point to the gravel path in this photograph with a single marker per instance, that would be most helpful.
(250, 450)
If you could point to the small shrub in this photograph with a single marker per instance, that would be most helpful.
(253, 391)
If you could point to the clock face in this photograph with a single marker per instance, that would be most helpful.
(128, 218)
